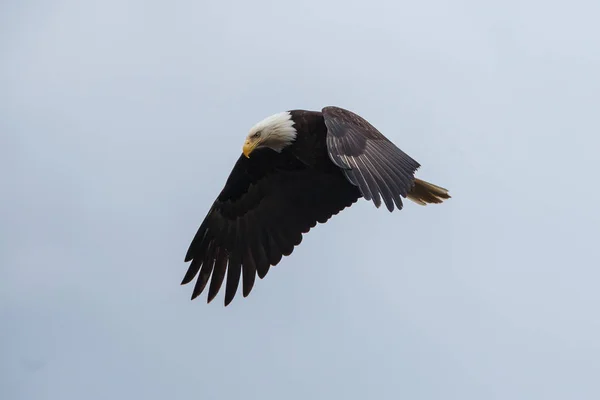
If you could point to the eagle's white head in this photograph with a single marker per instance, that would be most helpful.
(275, 132)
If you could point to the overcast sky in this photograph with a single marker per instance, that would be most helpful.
(120, 121)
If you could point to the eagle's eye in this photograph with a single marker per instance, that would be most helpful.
(256, 135)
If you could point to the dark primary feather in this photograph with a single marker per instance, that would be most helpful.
(369, 160)
(268, 202)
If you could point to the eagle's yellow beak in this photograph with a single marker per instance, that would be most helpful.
(248, 148)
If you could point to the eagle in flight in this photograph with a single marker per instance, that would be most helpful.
(298, 168)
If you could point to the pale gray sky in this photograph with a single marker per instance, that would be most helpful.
(120, 121)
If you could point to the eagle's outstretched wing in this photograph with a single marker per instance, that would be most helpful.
(369, 159)
(268, 202)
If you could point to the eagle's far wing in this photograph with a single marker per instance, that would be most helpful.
(265, 207)
(369, 160)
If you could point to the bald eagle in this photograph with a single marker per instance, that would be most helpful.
(298, 168)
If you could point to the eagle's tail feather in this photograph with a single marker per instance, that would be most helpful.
(424, 193)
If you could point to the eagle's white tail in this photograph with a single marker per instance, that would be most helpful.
(424, 193)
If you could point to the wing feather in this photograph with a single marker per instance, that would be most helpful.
(218, 275)
(207, 268)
